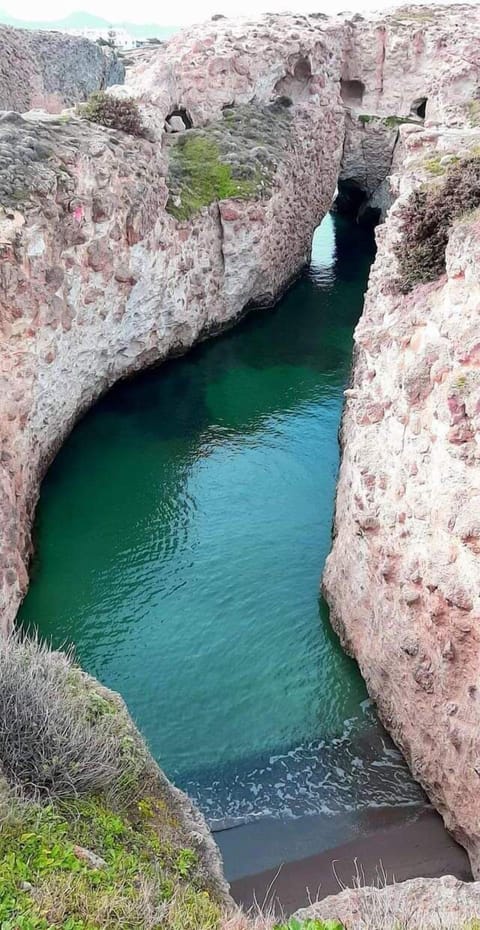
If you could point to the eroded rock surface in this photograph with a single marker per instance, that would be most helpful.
(432, 903)
(403, 578)
(51, 70)
(103, 271)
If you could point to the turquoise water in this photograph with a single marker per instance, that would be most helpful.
(181, 534)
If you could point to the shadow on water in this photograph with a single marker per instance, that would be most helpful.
(181, 534)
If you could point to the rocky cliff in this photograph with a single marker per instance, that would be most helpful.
(116, 251)
(51, 70)
(402, 580)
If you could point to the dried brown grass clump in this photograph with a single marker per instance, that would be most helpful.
(114, 112)
(59, 738)
(428, 217)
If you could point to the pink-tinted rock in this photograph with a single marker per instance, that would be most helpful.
(423, 347)
(98, 280)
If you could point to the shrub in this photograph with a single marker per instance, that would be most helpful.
(428, 217)
(59, 738)
(115, 112)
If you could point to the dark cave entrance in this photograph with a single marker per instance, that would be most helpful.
(353, 201)
(419, 107)
(352, 92)
(176, 117)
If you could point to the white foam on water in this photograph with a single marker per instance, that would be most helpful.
(358, 770)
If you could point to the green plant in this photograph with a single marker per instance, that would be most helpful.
(428, 216)
(75, 774)
(202, 177)
(394, 121)
(294, 924)
(190, 910)
(185, 861)
(114, 112)
(145, 882)
(433, 166)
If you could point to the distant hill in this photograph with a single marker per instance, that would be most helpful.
(81, 20)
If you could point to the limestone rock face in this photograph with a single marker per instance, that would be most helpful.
(431, 903)
(402, 580)
(51, 70)
(98, 279)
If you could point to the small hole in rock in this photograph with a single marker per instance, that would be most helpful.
(352, 91)
(419, 107)
(178, 120)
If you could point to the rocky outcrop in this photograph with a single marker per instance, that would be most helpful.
(114, 253)
(51, 70)
(98, 279)
(402, 580)
(429, 903)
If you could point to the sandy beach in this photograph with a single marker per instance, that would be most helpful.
(390, 849)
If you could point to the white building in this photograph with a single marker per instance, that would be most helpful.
(119, 36)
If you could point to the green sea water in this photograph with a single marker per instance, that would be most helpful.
(180, 538)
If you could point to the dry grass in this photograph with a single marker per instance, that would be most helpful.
(381, 906)
(63, 895)
(255, 920)
(58, 737)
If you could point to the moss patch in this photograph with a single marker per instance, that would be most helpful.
(433, 166)
(203, 178)
(234, 157)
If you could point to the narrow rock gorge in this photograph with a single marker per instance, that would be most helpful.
(111, 259)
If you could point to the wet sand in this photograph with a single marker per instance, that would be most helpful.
(392, 847)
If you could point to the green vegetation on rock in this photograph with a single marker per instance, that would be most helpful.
(91, 837)
(473, 110)
(235, 157)
(310, 924)
(205, 178)
(408, 13)
(433, 166)
(114, 112)
(429, 215)
(390, 122)
(143, 880)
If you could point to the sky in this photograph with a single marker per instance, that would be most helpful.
(179, 12)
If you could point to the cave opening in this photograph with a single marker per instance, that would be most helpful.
(353, 201)
(352, 92)
(294, 85)
(419, 107)
(178, 120)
